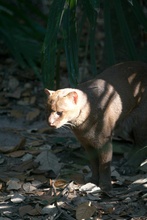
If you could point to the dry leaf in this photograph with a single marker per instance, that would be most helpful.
(33, 114)
(36, 143)
(85, 211)
(36, 183)
(36, 211)
(48, 161)
(50, 209)
(23, 210)
(16, 113)
(26, 165)
(38, 177)
(140, 181)
(13, 184)
(16, 154)
(10, 141)
(90, 188)
(60, 183)
(17, 198)
(15, 94)
(28, 187)
(6, 175)
(32, 100)
(27, 157)
(13, 83)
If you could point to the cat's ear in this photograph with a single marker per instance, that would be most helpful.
(73, 96)
(48, 92)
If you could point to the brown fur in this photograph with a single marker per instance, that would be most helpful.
(115, 101)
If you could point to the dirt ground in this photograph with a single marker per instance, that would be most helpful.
(43, 171)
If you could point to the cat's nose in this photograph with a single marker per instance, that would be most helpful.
(51, 123)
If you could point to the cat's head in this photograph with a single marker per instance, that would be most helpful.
(61, 107)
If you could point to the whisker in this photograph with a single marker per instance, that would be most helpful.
(64, 127)
(69, 123)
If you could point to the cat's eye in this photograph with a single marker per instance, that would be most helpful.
(59, 113)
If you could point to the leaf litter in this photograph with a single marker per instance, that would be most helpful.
(43, 171)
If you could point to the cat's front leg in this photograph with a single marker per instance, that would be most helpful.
(100, 160)
(92, 155)
(105, 158)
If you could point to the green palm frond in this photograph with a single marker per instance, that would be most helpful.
(71, 35)
(71, 42)
(50, 42)
(137, 9)
(125, 31)
(109, 48)
(90, 7)
(22, 35)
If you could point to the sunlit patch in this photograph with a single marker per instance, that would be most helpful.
(5, 207)
(132, 77)
(137, 89)
(142, 90)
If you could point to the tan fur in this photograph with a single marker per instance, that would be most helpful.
(115, 101)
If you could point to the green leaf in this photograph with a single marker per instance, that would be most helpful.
(125, 31)
(7, 35)
(10, 42)
(71, 44)
(18, 13)
(92, 42)
(37, 31)
(108, 34)
(138, 11)
(35, 10)
(71, 3)
(95, 3)
(91, 13)
(23, 41)
(28, 49)
(23, 48)
(50, 43)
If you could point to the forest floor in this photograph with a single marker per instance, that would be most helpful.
(42, 171)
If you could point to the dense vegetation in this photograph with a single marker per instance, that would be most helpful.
(23, 30)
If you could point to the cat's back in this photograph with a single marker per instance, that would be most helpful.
(125, 81)
(130, 72)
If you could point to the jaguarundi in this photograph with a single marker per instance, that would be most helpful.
(114, 102)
